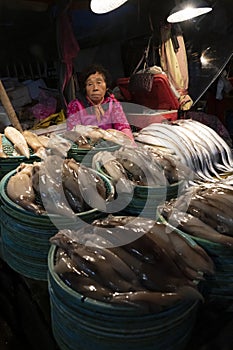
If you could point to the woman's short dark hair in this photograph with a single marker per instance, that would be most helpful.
(92, 69)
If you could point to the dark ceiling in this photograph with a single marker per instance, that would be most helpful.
(28, 29)
(22, 21)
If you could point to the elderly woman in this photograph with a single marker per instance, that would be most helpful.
(98, 106)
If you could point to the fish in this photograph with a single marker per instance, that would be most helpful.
(44, 140)
(210, 203)
(222, 147)
(121, 137)
(163, 273)
(174, 169)
(145, 171)
(195, 227)
(102, 265)
(86, 286)
(71, 186)
(193, 256)
(207, 145)
(201, 162)
(86, 184)
(156, 301)
(212, 214)
(140, 274)
(152, 270)
(152, 140)
(121, 230)
(196, 147)
(76, 279)
(94, 133)
(161, 149)
(80, 140)
(168, 131)
(181, 250)
(92, 188)
(163, 140)
(51, 187)
(108, 163)
(2, 153)
(20, 190)
(18, 140)
(32, 140)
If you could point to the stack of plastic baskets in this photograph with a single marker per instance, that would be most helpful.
(25, 235)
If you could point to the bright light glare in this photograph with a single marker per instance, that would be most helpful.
(104, 6)
(188, 13)
(204, 60)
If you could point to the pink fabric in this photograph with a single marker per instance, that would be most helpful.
(114, 117)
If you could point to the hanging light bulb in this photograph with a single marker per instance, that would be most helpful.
(104, 6)
(188, 10)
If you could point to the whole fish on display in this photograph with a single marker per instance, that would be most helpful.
(154, 270)
(18, 140)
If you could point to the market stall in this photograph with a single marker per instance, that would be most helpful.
(112, 242)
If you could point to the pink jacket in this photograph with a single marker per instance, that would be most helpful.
(113, 118)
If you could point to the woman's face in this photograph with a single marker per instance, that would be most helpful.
(96, 87)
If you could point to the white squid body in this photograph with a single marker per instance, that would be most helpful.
(19, 187)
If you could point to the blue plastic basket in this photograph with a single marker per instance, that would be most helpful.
(88, 324)
(218, 287)
(25, 235)
(145, 200)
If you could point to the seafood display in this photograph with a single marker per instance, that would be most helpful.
(154, 269)
(18, 140)
(142, 178)
(89, 136)
(23, 143)
(61, 187)
(20, 189)
(194, 144)
(141, 166)
(204, 211)
(33, 140)
(27, 142)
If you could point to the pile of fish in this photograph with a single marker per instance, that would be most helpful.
(131, 261)
(57, 186)
(204, 211)
(89, 136)
(24, 143)
(140, 166)
(194, 144)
